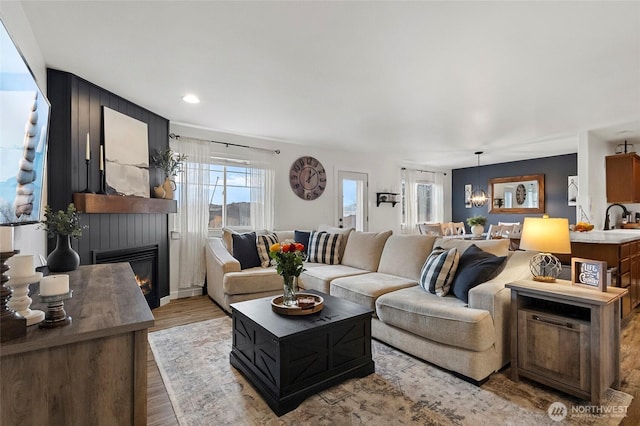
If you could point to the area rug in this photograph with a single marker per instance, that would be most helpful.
(205, 389)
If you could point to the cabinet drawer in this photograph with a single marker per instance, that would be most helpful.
(625, 265)
(625, 280)
(625, 249)
(554, 347)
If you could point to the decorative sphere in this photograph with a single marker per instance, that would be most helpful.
(545, 265)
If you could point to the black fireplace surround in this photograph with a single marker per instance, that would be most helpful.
(143, 261)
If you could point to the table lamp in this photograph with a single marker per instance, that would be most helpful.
(545, 235)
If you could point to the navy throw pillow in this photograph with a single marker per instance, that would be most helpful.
(245, 250)
(474, 267)
(302, 237)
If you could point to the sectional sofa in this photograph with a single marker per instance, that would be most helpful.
(382, 271)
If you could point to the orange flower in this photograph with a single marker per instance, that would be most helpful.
(299, 246)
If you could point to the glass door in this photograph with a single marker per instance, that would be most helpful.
(353, 200)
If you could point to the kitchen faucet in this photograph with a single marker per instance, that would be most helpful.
(625, 213)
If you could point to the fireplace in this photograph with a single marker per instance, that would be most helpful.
(143, 261)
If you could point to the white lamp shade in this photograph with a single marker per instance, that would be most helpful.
(544, 234)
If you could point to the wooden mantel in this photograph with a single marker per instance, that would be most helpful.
(97, 203)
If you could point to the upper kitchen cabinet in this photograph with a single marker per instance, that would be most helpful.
(623, 178)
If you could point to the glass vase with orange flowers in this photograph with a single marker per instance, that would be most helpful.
(288, 257)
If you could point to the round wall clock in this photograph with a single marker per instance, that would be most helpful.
(308, 178)
(521, 194)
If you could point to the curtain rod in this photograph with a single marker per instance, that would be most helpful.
(228, 144)
(423, 171)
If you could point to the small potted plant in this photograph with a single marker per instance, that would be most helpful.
(63, 225)
(477, 224)
(171, 164)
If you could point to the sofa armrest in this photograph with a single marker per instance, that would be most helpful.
(219, 263)
(494, 297)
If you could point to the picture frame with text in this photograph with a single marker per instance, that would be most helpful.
(589, 273)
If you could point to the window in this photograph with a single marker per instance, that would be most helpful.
(228, 187)
(424, 202)
(422, 199)
(424, 193)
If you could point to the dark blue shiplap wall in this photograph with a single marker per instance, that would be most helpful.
(555, 169)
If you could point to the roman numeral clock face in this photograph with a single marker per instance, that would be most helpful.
(307, 178)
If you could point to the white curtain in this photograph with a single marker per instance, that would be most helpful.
(410, 202)
(193, 210)
(262, 184)
(193, 198)
(438, 197)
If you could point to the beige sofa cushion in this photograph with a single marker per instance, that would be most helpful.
(252, 280)
(366, 288)
(404, 255)
(284, 235)
(444, 320)
(498, 247)
(364, 249)
(319, 277)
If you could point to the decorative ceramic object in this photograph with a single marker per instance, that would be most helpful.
(165, 190)
(63, 258)
(477, 230)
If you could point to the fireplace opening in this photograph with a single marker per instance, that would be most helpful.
(143, 261)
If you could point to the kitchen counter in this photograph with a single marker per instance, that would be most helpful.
(620, 248)
(616, 236)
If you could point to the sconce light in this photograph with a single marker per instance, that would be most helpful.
(478, 196)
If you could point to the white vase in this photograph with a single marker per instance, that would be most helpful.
(477, 230)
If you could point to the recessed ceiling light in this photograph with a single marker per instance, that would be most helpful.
(191, 99)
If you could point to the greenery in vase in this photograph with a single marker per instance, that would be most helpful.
(477, 220)
(62, 222)
(288, 257)
(168, 161)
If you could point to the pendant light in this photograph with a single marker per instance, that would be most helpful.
(478, 196)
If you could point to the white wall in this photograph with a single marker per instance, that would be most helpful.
(294, 213)
(592, 150)
(28, 238)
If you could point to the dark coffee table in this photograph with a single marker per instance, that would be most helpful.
(289, 358)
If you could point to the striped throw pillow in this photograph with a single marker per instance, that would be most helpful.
(263, 243)
(324, 248)
(438, 271)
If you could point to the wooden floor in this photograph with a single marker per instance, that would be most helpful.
(201, 308)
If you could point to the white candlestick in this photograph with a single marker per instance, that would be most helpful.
(88, 149)
(101, 158)
(21, 266)
(54, 285)
(6, 239)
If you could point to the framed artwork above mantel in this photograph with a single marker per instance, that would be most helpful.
(517, 194)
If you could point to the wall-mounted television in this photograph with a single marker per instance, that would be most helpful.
(24, 128)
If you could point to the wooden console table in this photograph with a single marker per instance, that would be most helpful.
(566, 337)
(93, 371)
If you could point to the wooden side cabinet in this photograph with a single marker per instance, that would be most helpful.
(623, 178)
(566, 337)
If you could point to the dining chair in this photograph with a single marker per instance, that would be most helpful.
(430, 228)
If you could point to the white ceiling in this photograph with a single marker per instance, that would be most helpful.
(426, 82)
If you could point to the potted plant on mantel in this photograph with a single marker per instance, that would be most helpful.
(477, 224)
(171, 164)
(63, 225)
